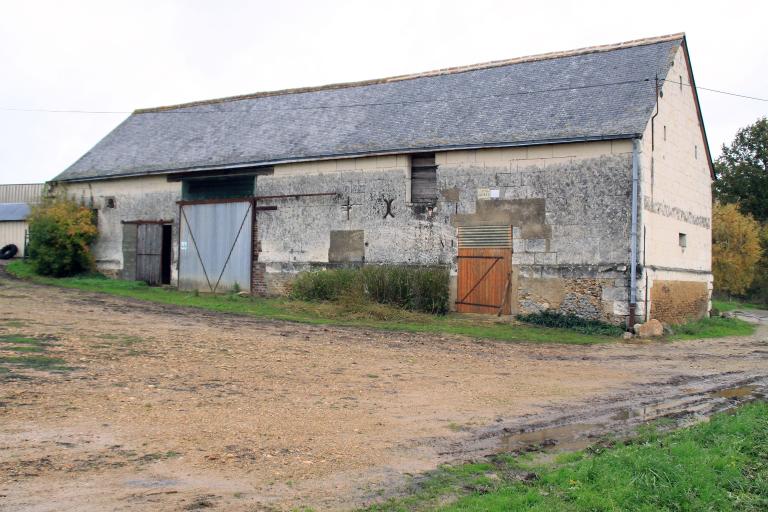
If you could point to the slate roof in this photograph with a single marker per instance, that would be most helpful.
(13, 212)
(595, 93)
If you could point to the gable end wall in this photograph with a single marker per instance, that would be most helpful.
(676, 198)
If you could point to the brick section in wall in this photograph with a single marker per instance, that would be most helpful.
(677, 302)
(258, 270)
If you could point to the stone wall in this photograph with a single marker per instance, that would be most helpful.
(568, 205)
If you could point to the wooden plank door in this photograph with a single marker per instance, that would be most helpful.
(149, 252)
(484, 266)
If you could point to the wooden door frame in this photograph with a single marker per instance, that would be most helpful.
(161, 222)
(500, 252)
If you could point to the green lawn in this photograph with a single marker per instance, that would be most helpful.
(733, 305)
(715, 327)
(362, 314)
(352, 313)
(721, 465)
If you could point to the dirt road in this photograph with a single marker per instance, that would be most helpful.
(165, 408)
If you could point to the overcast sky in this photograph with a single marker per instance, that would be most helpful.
(118, 56)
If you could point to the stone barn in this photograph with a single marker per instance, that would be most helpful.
(576, 181)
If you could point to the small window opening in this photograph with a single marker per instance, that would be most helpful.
(665, 132)
(681, 82)
(423, 178)
(696, 152)
(682, 239)
(110, 202)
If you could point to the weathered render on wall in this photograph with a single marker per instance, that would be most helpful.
(151, 198)
(568, 205)
(676, 196)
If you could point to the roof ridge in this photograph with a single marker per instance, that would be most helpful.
(425, 74)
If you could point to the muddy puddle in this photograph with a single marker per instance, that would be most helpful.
(739, 392)
(577, 436)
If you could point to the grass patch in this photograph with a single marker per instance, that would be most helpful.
(715, 327)
(21, 340)
(36, 362)
(345, 313)
(14, 323)
(31, 355)
(25, 348)
(734, 305)
(583, 325)
(718, 465)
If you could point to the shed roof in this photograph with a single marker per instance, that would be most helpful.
(604, 92)
(14, 212)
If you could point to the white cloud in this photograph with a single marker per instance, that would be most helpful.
(96, 55)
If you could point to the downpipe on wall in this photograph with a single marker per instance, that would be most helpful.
(633, 236)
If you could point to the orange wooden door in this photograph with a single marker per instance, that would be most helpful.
(483, 280)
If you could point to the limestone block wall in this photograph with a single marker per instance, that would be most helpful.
(676, 200)
(568, 205)
(147, 198)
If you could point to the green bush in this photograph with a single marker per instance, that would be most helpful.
(409, 287)
(60, 235)
(554, 319)
(324, 284)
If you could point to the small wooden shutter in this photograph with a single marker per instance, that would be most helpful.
(423, 178)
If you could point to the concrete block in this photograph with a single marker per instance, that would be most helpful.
(536, 245)
(530, 272)
(615, 293)
(536, 231)
(545, 258)
(518, 245)
(522, 259)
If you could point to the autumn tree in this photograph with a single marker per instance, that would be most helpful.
(758, 292)
(60, 236)
(735, 249)
(742, 171)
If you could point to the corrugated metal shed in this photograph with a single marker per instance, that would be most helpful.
(14, 212)
(22, 193)
(15, 233)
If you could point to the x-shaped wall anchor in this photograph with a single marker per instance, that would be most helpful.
(388, 202)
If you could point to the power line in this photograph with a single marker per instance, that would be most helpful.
(718, 91)
(385, 103)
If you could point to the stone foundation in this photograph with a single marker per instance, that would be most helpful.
(677, 302)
